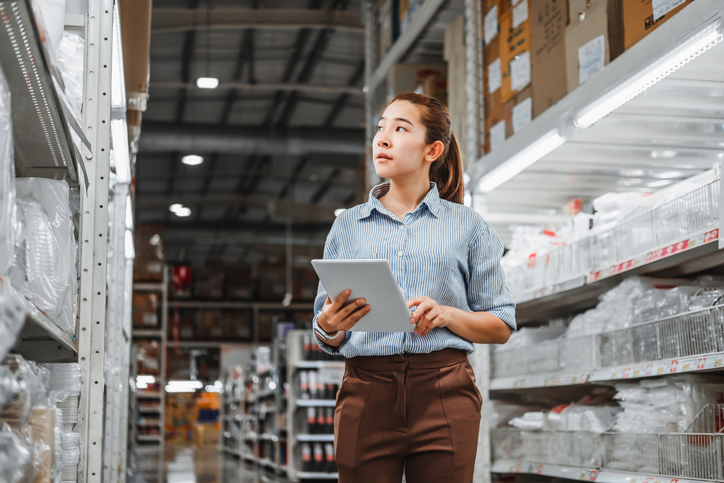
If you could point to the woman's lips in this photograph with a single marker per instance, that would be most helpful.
(383, 158)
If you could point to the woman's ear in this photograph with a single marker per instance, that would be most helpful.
(434, 151)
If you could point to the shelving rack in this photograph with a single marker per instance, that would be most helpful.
(156, 411)
(295, 363)
(670, 124)
(42, 125)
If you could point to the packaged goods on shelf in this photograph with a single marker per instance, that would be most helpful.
(149, 354)
(210, 285)
(408, 9)
(44, 265)
(305, 283)
(208, 324)
(71, 56)
(149, 252)
(387, 24)
(515, 49)
(15, 456)
(8, 207)
(145, 309)
(13, 319)
(594, 38)
(548, 21)
(239, 284)
(52, 13)
(181, 278)
(236, 325)
(640, 18)
(272, 286)
(427, 79)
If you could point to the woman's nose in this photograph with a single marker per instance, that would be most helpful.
(382, 140)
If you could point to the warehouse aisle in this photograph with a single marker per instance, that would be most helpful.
(202, 465)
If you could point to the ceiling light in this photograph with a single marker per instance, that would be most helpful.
(660, 69)
(339, 211)
(179, 210)
(520, 161)
(207, 82)
(192, 160)
(183, 386)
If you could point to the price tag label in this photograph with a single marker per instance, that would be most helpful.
(518, 467)
(626, 373)
(686, 367)
(540, 469)
(718, 362)
(584, 378)
(614, 375)
(701, 364)
(649, 369)
(637, 373)
(674, 367)
(711, 236)
(660, 370)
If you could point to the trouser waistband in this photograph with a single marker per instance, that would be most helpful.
(432, 360)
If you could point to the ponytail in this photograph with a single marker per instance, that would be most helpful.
(447, 170)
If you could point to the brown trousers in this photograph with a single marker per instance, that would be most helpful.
(420, 412)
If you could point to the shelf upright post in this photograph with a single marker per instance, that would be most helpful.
(371, 40)
(474, 80)
(94, 235)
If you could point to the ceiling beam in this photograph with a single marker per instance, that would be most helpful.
(326, 185)
(170, 137)
(187, 54)
(171, 20)
(265, 87)
(343, 99)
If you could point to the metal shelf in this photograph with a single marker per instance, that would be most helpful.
(311, 438)
(319, 364)
(579, 473)
(148, 409)
(149, 439)
(306, 475)
(699, 253)
(39, 327)
(147, 333)
(148, 287)
(305, 403)
(42, 120)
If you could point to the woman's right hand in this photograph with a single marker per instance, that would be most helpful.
(334, 317)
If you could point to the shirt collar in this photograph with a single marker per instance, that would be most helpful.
(431, 200)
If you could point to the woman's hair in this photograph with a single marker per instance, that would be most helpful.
(447, 170)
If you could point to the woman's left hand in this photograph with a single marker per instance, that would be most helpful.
(429, 314)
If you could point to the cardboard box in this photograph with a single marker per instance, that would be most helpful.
(639, 21)
(145, 310)
(149, 252)
(492, 81)
(236, 325)
(305, 283)
(548, 20)
(593, 38)
(42, 427)
(515, 49)
(239, 284)
(136, 34)
(385, 25)
(210, 285)
(428, 79)
(272, 282)
(206, 434)
(208, 325)
(518, 112)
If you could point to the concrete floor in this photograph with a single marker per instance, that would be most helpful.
(196, 465)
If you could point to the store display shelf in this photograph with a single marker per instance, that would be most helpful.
(307, 475)
(42, 118)
(699, 363)
(319, 365)
(269, 437)
(314, 438)
(305, 403)
(147, 333)
(250, 457)
(697, 253)
(149, 424)
(582, 102)
(39, 327)
(149, 439)
(149, 409)
(148, 287)
(267, 463)
(199, 304)
(149, 395)
(582, 474)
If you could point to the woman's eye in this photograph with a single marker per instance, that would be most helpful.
(400, 127)
(379, 128)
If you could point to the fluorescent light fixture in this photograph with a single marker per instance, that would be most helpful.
(142, 382)
(339, 211)
(118, 82)
(520, 161)
(183, 386)
(130, 249)
(121, 155)
(179, 210)
(664, 66)
(211, 388)
(192, 160)
(207, 82)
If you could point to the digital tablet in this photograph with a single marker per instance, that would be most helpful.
(372, 280)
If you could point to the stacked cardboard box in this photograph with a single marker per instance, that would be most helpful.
(149, 252)
(428, 79)
(457, 104)
(641, 17)
(145, 310)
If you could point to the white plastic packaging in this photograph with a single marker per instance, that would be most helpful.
(70, 56)
(12, 317)
(53, 13)
(44, 266)
(15, 456)
(8, 210)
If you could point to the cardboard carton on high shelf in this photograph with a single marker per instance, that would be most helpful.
(457, 99)
(428, 79)
(305, 284)
(594, 37)
(208, 325)
(548, 20)
(518, 111)
(239, 284)
(492, 81)
(207, 434)
(272, 282)
(515, 49)
(387, 25)
(210, 285)
(149, 252)
(639, 18)
(145, 310)
(266, 326)
(236, 324)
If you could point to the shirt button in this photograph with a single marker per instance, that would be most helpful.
(402, 227)
(399, 254)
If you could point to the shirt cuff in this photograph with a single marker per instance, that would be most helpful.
(507, 316)
(326, 347)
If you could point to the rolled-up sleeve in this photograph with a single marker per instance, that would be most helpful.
(486, 289)
(332, 250)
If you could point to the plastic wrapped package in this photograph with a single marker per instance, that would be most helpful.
(32, 391)
(70, 456)
(70, 55)
(42, 437)
(44, 266)
(65, 378)
(591, 419)
(53, 15)
(15, 456)
(8, 209)
(58, 447)
(9, 387)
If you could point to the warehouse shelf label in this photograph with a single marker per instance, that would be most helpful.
(656, 255)
(553, 289)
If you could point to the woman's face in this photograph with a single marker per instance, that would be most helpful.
(399, 148)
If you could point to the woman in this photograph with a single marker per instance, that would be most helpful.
(409, 400)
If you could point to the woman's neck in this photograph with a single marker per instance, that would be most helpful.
(405, 196)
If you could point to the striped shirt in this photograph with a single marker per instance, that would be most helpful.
(442, 250)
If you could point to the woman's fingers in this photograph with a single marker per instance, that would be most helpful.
(415, 301)
(351, 320)
(422, 309)
(429, 327)
(344, 313)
